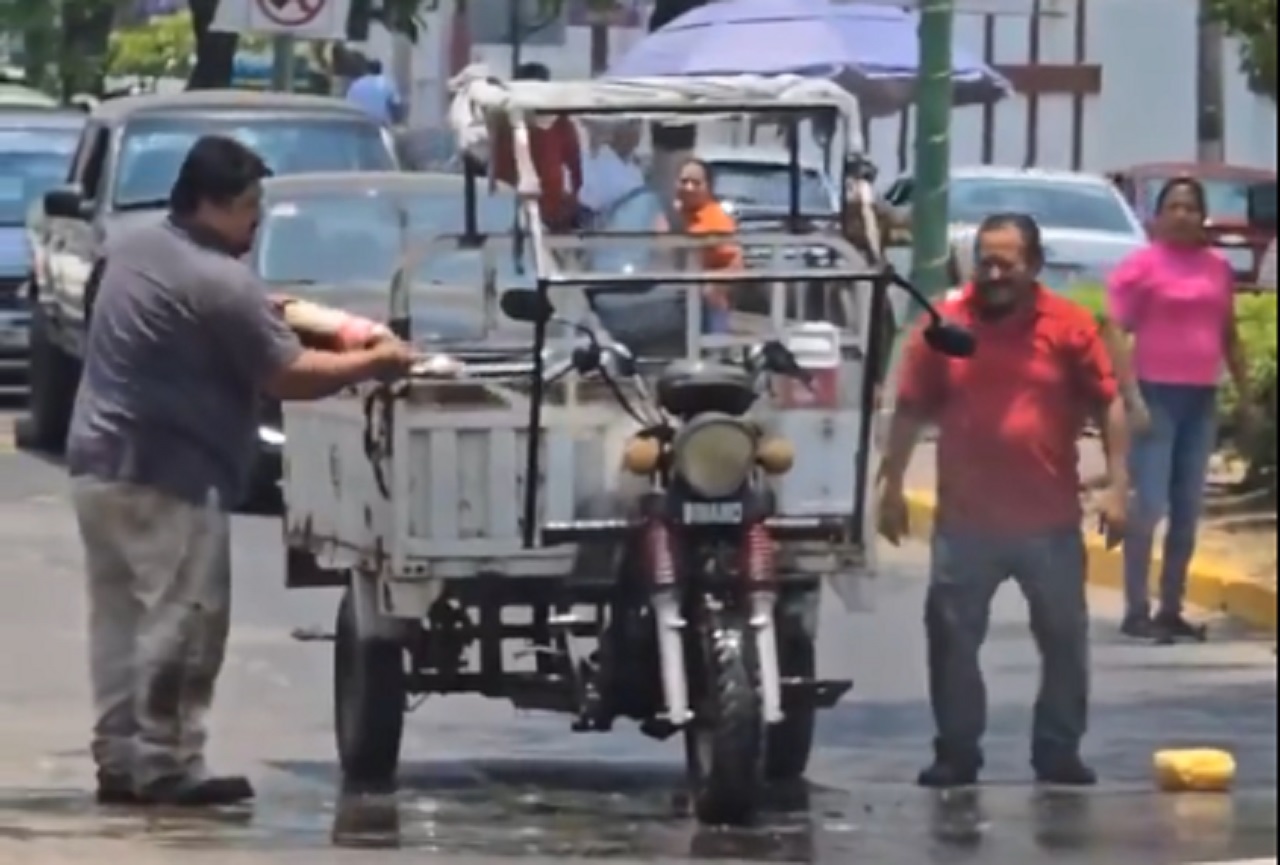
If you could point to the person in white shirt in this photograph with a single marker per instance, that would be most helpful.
(611, 170)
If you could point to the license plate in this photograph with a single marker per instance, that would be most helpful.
(712, 513)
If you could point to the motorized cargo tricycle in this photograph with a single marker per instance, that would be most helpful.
(651, 532)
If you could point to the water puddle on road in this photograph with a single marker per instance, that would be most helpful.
(500, 810)
(602, 811)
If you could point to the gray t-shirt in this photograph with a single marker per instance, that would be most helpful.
(183, 338)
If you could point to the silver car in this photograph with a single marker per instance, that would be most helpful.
(1085, 221)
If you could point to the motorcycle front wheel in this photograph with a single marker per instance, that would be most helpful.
(724, 746)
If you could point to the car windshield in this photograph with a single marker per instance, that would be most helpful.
(31, 163)
(333, 239)
(1227, 199)
(1063, 205)
(152, 149)
(765, 185)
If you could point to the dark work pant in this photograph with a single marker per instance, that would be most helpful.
(966, 571)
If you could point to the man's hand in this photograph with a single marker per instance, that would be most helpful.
(895, 523)
(1113, 513)
(391, 359)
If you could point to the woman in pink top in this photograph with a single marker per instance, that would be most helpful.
(1176, 297)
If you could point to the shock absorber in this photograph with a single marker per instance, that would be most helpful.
(759, 570)
(661, 568)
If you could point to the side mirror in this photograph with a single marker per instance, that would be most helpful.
(1262, 206)
(526, 305)
(1118, 179)
(64, 203)
(950, 339)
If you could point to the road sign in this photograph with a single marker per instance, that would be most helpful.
(303, 19)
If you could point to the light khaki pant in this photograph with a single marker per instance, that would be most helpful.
(159, 574)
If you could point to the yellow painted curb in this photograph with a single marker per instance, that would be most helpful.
(1210, 585)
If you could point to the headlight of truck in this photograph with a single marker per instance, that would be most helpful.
(714, 455)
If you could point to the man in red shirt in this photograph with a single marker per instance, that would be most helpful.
(556, 153)
(1008, 421)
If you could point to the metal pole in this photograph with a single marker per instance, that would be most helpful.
(929, 236)
(515, 26)
(282, 63)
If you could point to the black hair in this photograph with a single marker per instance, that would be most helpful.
(216, 170)
(707, 171)
(1195, 187)
(373, 67)
(533, 72)
(1025, 223)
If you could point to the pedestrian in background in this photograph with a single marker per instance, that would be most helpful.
(184, 346)
(557, 160)
(1176, 296)
(611, 170)
(377, 94)
(1008, 420)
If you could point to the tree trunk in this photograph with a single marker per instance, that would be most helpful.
(86, 30)
(215, 52)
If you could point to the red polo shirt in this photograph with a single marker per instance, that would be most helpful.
(1009, 417)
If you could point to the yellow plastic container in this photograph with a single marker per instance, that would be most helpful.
(1194, 770)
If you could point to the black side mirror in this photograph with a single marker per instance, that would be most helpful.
(1262, 206)
(950, 339)
(64, 203)
(527, 305)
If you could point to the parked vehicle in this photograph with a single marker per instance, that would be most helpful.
(128, 157)
(1262, 219)
(669, 531)
(1084, 220)
(36, 145)
(1227, 190)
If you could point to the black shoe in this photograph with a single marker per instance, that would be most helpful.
(1139, 626)
(1065, 771)
(1171, 627)
(198, 793)
(115, 790)
(942, 775)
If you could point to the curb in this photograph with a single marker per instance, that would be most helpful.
(1210, 585)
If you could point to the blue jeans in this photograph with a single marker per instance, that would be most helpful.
(965, 572)
(1167, 466)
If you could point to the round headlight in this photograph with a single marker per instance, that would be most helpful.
(714, 455)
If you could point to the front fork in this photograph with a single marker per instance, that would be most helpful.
(759, 572)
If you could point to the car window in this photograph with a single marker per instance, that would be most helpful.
(152, 149)
(1227, 199)
(763, 185)
(1067, 205)
(31, 163)
(341, 238)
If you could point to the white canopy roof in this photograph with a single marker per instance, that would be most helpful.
(478, 94)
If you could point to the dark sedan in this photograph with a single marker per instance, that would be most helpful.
(36, 147)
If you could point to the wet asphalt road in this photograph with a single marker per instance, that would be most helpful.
(483, 783)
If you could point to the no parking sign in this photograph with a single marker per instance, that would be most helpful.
(304, 19)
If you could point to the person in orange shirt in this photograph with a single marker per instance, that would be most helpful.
(698, 212)
(556, 153)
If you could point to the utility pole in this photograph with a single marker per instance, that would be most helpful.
(930, 243)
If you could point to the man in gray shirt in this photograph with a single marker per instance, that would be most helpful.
(183, 345)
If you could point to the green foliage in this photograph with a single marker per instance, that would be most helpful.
(1256, 325)
(164, 46)
(1253, 22)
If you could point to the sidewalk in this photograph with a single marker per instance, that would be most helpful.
(1213, 583)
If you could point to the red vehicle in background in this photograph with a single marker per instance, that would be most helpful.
(1227, 188)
